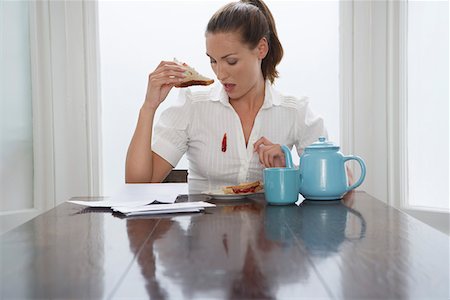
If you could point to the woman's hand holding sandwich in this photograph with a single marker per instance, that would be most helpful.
(161, 81)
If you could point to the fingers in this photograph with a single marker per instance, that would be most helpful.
(167, 73)
(270, 155)
(263, 153)
(262, 141)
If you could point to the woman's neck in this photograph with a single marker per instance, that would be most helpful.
(252, 100)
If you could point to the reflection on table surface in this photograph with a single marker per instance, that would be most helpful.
(355, 248)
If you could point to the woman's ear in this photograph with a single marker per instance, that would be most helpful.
(263, 48)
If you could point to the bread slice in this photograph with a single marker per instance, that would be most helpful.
(244, 188)
(192, 77)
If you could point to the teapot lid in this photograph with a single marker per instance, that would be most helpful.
(322, 143)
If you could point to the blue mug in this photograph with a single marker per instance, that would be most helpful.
(281, 185)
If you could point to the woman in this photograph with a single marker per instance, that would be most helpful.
(230, 133)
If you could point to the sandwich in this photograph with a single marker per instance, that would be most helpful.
(192, 77)
(244, 188)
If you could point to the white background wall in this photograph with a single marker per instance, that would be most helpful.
(151, 31)
(428, 105)
(16, 133)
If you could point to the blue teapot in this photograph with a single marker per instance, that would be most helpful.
(322, 174)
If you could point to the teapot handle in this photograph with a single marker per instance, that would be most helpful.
(363, 171)
(287, 156)
(363, 224)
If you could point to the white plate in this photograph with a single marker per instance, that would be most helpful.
(220, 195)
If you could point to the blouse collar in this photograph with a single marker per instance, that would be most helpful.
(271, 97)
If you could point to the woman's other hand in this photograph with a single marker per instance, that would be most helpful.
(161, 81)
(351, 179)
(270, 155)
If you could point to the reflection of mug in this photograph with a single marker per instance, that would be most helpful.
(276, 220)
(281, 185)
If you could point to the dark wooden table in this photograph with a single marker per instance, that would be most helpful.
(351, 249)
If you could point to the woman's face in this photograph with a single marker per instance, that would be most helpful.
(236, 66)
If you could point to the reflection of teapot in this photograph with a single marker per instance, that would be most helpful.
(324, 226)
(322, 172)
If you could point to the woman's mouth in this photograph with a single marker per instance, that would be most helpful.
(228, 87)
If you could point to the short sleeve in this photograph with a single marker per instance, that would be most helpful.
(310, 126)
(170, 138)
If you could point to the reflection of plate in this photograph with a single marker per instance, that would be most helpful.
(220, 195)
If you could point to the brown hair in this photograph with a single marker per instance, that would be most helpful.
(253, 20)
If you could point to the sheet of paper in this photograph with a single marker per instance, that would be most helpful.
(167, 211)
(133, 195)
(164, 207)
(109, 203)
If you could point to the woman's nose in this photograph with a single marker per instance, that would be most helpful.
(221, 72)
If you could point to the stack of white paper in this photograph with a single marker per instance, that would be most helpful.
(163, 208)
(144, 199)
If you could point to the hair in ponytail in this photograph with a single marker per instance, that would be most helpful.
(253, 20)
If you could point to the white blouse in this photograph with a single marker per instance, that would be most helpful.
(197, 123)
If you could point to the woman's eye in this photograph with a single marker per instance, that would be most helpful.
(232, 62)
(212, 61)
